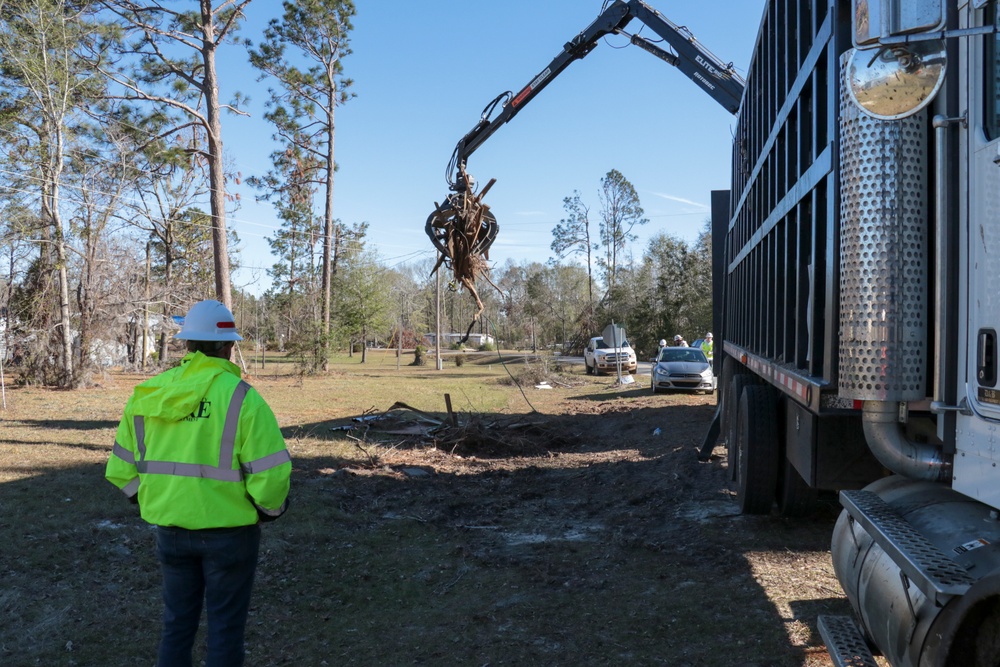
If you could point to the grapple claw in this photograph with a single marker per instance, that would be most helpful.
(463, 229)
(460, 225)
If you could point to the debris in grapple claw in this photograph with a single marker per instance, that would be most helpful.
(463, 229)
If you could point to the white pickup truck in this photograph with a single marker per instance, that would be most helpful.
(600, 357)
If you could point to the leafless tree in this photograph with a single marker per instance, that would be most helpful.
(44, 87)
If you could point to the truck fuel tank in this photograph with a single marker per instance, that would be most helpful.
(920, 564)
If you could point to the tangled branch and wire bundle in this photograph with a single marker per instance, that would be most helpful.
(463, 229)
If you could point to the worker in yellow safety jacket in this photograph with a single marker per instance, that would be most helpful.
(201, 453)
(708, 346)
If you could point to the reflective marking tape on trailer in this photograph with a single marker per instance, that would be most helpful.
(794, 386)
(797, 388)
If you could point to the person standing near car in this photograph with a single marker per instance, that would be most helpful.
(707, 346)
(202, 454)
(679, 341)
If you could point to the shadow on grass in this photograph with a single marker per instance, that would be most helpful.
(486, 358)
(76, 561)
(639, 389)
(68, 424)
(622, 563)
(103, 449)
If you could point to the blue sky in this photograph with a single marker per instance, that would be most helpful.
(424, 70)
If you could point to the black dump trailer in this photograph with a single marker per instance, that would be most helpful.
(855, 259)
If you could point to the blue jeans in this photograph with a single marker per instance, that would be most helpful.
(217, 566)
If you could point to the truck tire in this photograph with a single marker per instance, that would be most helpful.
(590, 369)
(757, 450)
(730, 413)
(730, 369)
(795, 497)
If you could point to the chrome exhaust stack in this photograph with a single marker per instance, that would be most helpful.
(890, 445)
(883, 288)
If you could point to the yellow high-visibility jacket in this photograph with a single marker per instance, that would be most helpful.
(201, 449)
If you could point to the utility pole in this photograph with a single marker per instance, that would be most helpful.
(437, 335)
(399, 332)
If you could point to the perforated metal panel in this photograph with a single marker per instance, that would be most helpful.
(883, 255)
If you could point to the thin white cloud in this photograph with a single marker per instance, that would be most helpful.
(681, 200)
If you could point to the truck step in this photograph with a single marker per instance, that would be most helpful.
(930, 569)
(844, 642)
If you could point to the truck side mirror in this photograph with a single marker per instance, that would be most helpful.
(875, 19)
(895, 83)
(891, 82)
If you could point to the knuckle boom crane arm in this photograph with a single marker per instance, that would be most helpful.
(463, 228)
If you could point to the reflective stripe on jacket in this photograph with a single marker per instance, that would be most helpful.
(201, 448)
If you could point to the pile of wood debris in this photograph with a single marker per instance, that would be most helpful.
(472, 435)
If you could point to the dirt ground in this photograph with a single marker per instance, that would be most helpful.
(607, 487)
(583, 531)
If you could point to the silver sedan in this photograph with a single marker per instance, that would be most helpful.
(682, 368)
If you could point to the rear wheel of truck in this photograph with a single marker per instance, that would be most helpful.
(730, 423)
(757, 449)
(730, 369)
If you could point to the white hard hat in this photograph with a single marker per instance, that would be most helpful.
(678, 337)
(208, 320)
(708, 335)
(663, 342)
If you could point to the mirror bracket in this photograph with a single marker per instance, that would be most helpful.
(876, 20)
